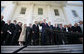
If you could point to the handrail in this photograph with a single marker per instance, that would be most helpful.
(20, 49)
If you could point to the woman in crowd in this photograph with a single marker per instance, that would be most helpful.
(22, 35)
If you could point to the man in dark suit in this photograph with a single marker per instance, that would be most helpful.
(2, 32)
(70, 28)
(16, 34)
(13, 27)
(29, 35)
(74, 31)
(9, 32)
(77, 34)
(14, 23)
(77, 28)
(70, 34)
(65, 28)
(2, 22)
(61, 28)
(6, 31)
(44, 27)
(50, 33)
(56, 29)
(35, 30)
(61, 37)
(50, 26)
(65, 31)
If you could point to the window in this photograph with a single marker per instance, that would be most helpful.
(2, 8)
(56, 12)
(40, 11)
(23, 10)
(74, 13)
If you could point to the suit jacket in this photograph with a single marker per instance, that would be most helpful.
(50, 27)
(28, 32)
(35, 28)
(16, 34)
(64, 29)
(7, 35)
(71, 29)
(44, 26)
(77, 29)
(61, 29)
(7, 27)
(56, 28)
(13, 27)
(28, 29)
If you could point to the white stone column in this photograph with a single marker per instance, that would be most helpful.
(8, 10)
(50, 14)
(30, 16)
(67, 21)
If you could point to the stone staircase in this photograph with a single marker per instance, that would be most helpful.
(70, 48)
(9, 49)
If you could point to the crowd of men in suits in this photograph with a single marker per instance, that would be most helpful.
(16, 34)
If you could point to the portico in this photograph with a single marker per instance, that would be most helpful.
(12, 11)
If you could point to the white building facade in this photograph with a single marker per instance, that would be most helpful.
(59, 12)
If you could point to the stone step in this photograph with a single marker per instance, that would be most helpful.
(53, 49)
(45, 51)
(9, 49)
(71, 48)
